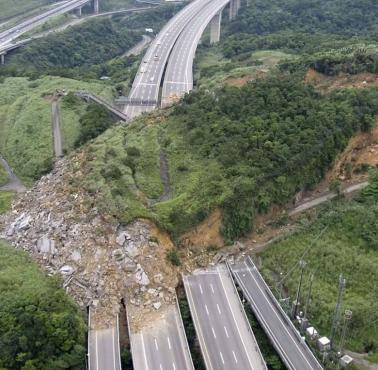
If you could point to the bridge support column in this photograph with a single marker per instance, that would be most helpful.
(215, 26)
(233, 9)
(78, 12)
(96, 6)
(2, 58)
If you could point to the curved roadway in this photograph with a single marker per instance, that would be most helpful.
(147, 82)
(178, 78)
(27, 25)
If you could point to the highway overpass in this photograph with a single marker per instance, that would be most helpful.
(147, 81)
(182, 33)
(292, 349)
(178, 78)
(4, 49)
(225, 336)
(7, 36)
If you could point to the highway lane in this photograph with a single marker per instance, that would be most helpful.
(163, 345)
(147, 81)
(291, 347)
(104, 353)
(225, 337)
(178, 78)
(16, 31)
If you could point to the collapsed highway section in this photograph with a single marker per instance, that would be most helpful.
(225, 336)
(292, 349)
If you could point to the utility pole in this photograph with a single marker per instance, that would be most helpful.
(347, 318)
(296, 303)
(336, 317)
(308, 296)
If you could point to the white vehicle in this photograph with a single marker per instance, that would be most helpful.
(149, 30)
(151, 79)
(156, 57)
(142, 70)
(145, 61)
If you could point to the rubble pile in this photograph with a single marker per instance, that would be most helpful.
(100, 261)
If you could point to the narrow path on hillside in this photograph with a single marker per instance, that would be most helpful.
(138, 48)
(310, 203)
(14, 183)
(164, 175)
(56, 132)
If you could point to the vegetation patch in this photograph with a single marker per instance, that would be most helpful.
(25, 121)
(282, 136)
(348, 245)
(6, 198)
(40, 326)
(3, 176)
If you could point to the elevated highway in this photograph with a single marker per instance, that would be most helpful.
(162, 345)
(176, 45)
(103, 348)
(292, 349)
(223, 330)
(14, 44)
(147, 82)
(178, 78)
(27, 25)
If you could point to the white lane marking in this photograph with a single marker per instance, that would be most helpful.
(183, 341)
(161, 367)
(207, 311)
(200, 286)
(233, 316)
(174, 366)
(225, 330)
(236, 360)
(283, 325)
(169, 343)
(212, 288)
(219, 310)
(96, 352)
(156, 345)
(212, 329)
(197, 325)
(221, 356)
(144, 351)
(114, 355)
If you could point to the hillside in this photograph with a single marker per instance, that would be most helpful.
(348, 245)
(280, 108)
(40, 326)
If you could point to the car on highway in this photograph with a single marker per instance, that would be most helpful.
(156, 57)
(151, 79)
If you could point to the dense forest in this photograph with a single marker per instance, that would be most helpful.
(301, 26)
(40, 326)
(241, 149)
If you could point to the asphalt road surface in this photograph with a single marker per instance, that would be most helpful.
(14, 183)
(178, 78)
(162, 346)
(57, 137)
(104, 351)
(291, 347)
(147, 81)
(225, 337)
(27, 25)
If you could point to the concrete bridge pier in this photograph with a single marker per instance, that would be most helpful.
(233, 9)
(78, 11)
(96, 6)
(2, 58)
(215, 26)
